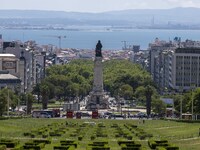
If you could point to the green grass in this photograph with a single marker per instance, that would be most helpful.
(184, 135)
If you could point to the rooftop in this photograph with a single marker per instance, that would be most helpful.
(7, 55)
(8, 77)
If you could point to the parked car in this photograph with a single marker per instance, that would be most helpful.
(44, 115)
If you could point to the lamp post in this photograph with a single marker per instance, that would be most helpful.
(181, 103)
(8, 103)
(193, 87)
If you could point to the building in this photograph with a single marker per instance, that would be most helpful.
(185, 68)
(10, 72)
(175, 66)
(30, 67)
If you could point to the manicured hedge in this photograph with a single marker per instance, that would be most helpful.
(35, 146)
(2, 147)
(46, 141)
(167, 148)
(98, 145)
(9, 143)
(161, 145)
(155, 143)
(63, 147)
(68, 143)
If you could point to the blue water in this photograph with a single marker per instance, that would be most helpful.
(88, 39)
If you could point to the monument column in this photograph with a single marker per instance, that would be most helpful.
(97, 98)
(98, 75)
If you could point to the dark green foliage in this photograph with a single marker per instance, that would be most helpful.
(130, 145)
(3, 118)
(98, 145)
(80, 138)
(46, 141)
(76, 78)
(162, 143)
(9, 143)
(68, 143)
(63, 148)
(167, 148)
(34, 146)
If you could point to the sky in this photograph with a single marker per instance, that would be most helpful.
(95, 5)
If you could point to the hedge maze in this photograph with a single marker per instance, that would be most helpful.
(86, 135)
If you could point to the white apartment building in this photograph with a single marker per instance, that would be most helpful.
(185, 68)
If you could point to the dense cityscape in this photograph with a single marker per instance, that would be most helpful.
(99, 75)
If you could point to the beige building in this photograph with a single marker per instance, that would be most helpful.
(10, 72)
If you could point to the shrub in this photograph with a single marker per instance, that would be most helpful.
(98, 148)
(9, 143)
(18, 147)
(69, 143)
(92, 137)
(80, 138)
(35, 146)
(153, 143)
(2, 147)
(63, 148)
(46, 141)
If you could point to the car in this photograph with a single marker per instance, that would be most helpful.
(44, 115)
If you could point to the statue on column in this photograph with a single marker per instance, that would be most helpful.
(98, 49)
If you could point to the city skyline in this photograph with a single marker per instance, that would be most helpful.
(95, 5)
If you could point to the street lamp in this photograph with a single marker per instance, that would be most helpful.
(181, 105)
(193, 87)
(8, 102)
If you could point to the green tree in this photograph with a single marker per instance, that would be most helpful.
(45, 96)
(37, 91)
(158, 106)
(197, 101)
(148, 95)
(127, 91)
(30, 99)
(3, 101)
(140, 95)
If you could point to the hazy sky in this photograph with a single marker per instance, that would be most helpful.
(95, 5)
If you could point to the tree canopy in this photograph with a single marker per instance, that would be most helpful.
(75, 79)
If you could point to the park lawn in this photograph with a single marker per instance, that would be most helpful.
(184, 135)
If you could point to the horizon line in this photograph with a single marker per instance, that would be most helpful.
(99, 11)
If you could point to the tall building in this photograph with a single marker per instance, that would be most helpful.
(185, 68)
(31, 63)
(175, 65)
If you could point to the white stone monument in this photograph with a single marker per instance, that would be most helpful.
(97, 98)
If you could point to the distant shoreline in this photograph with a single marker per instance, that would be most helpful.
(97, 29)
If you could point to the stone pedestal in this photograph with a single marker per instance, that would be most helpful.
(97, 98)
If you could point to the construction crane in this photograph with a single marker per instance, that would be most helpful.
(59, 38)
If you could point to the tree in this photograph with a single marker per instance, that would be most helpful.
(127, 91)
(37, 91)
(197, 101)
(140, 95)
(30, 100)
(148, 95)
(45, 96)
(158, 106)
(3, 101)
